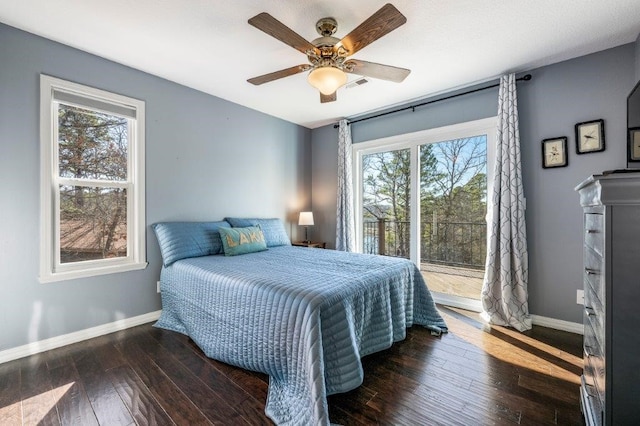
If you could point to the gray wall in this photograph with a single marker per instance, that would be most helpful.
(206, 158)
(638, 58)
(558, 97)
(587, 88)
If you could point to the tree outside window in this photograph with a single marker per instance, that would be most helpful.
(92, 181)
(453, 190)
(92, 146)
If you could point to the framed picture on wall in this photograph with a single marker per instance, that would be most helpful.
(590, 136)
(634, 144)
(554, 152)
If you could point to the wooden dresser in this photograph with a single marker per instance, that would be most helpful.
(610, 391)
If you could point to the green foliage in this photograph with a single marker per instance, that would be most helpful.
(452, 198)
(387, 182)
(458, 186)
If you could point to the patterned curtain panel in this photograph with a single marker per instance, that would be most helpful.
(345, 239)
(504, 290)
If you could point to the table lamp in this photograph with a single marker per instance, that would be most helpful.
(306, 220)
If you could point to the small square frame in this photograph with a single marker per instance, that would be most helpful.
(633, 144)
(599, 137)
(554, 152)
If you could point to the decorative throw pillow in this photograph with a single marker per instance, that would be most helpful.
(242, 240)
(273, 229)
(180, 240)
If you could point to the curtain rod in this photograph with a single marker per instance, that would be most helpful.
(526, 77)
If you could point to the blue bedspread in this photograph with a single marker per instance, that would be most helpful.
(303, 316)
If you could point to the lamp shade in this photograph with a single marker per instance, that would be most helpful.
(305, 219)
(327, 79)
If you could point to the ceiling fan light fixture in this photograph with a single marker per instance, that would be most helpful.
(327, 79)
(327, 55)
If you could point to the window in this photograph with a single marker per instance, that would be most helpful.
(423, 196)
(92, 181)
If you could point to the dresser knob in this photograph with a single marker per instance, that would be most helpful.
(590, 271)
(590, 312)
(592, 231)
(588, 351)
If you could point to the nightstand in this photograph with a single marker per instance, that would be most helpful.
(308, 244)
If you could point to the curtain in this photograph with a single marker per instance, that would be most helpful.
(345, 238)
(504, 289)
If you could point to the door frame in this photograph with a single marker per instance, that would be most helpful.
(413, 141)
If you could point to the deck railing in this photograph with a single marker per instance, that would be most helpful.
(449, 243)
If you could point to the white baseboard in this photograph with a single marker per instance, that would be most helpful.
(67, 339)
(572, 327)
(458, 302)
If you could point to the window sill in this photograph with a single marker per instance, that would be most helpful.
(93, 272)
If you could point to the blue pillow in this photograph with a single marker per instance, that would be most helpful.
(273, 229)
(242, 240)
(180, 240)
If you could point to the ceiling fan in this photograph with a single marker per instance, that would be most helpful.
(327, 55)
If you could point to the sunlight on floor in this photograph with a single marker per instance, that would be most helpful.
(522, 354)
(35, 408)
(11, 414)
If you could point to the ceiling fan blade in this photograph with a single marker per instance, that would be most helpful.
(385, 20)
(371, 69)
(279, 74)
(277, 29)
(328, 98)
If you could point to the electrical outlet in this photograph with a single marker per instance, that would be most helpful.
(158, 286)
(580, 297)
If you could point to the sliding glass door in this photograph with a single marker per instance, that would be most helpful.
(386, 203)
(423, 196)
(453, 208)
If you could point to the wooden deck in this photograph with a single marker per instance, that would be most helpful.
(451, 280)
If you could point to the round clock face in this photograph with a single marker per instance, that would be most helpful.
(589, 137)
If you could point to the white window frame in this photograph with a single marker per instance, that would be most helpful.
(53, 91)
(413, 141)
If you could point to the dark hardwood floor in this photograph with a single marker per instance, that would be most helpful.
(474, 375)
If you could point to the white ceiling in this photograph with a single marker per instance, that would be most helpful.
(447, 44)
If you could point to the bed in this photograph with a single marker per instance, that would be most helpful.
(303, 316)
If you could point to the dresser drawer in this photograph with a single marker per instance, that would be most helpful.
(594, 232)
(594, 316)
(592, 405)
(594, 371)
(594, 272)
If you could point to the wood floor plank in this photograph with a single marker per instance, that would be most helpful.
(138, 399)
(400, 407)
(10, 398)
(341, 416)
(351, 408)
(144, 408)
(178, 405)
(105, 401)
(255, 383)
(551, 387)
(72, 402)
(474, 375)
(245, 402)
(106, 353)
(38, 400)
(214, 406)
